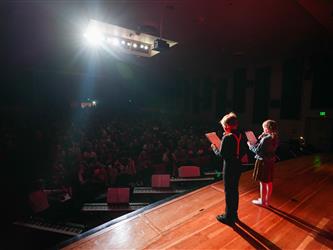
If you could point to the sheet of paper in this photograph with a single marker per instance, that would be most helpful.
(251, 137)
(214, 139)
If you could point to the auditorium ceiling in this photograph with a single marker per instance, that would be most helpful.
(210, 34)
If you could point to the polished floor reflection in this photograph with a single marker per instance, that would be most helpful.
(300, 216)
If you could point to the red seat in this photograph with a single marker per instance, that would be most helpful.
(38, 201)
(118, 195)
(189, 171)
(160, 181)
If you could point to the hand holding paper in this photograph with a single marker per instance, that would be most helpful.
(251, 137)
(214, 139)
(213, 147)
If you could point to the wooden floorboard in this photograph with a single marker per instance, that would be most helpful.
(300, 216)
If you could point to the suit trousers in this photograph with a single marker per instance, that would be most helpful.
(231, 181)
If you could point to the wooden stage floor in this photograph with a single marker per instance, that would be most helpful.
(300, 216)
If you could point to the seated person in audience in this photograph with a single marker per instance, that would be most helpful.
(168, 160)
(38, 198)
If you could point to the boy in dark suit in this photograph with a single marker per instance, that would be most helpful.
(232, 149)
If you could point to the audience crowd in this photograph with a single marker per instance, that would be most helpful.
(89, 154)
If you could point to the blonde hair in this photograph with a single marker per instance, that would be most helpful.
(271, 126)
(230, 120)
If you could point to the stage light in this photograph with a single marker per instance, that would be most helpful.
(161, 45)
(94, 103)
(115, 41)
(94, 36)
(114, 38)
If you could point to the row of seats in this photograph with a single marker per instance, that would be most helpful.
(121, 195)
(201, 162)
(117, 200)
(39, 201)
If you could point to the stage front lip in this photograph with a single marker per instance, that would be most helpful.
(121, 218)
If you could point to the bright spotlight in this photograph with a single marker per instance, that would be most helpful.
(115, 41)
(94, 103)
(94, 36)
(113, 37)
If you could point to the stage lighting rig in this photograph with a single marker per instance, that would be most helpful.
(109, 36)
(161, 45)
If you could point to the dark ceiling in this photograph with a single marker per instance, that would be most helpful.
(211, 34)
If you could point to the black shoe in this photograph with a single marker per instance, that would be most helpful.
(225, 220)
